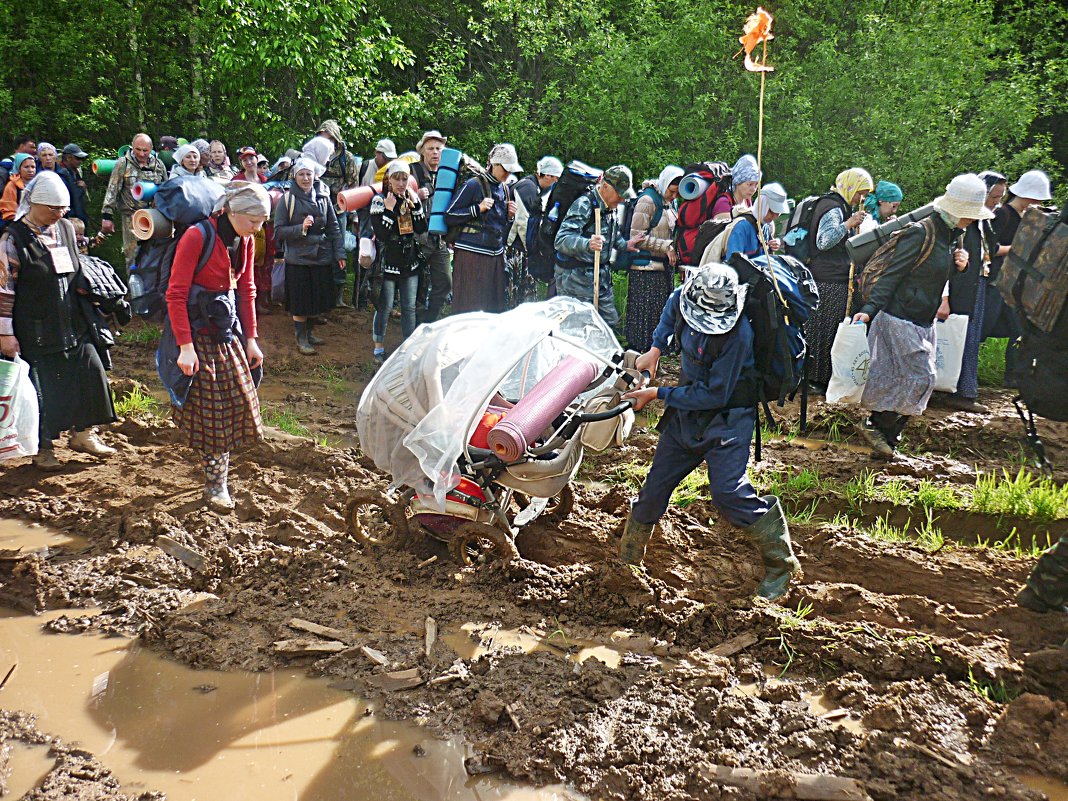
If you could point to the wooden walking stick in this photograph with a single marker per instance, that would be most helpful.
(849, 293)
(597, 258)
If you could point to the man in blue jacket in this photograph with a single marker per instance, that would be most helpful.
(710, 418)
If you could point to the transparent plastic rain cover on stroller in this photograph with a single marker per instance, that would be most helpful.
(423, 404)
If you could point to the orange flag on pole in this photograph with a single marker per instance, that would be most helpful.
(757, 30)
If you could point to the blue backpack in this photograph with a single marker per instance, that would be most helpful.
(626, 259)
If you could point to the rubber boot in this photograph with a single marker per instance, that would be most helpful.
(635, 538)
(303, 345)
(312, 339)
(772, 536)
(1047, 586)
(216, 493)
(340, 302)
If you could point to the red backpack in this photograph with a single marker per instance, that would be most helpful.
(699, 209)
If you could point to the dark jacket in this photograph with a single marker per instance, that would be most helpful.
(963, 286)
(398, 252)
(1006, 221)
(480, 233)
(78, 195)
(914, 293)
(829, 265)
(323, 244)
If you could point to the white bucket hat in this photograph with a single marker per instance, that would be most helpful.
(505, 155)
(965, 198)
(712, 299)
(1033, 185)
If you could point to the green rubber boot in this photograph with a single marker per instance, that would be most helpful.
(635, 537)
(1047, 586)
(772, 536)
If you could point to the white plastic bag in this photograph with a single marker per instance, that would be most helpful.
(19, 415)
(850, 360)
(951, 336)
(367, 252)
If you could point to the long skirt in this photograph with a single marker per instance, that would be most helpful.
(477, 282)
(822, 327)
(902, 373)
(647, 294)
(310, 289)
(968, 383)
(72, 390)
(222, 411)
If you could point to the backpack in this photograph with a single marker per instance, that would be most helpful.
(715, 234)
(796, 241)
(881, 258)
(626, 259)
(578, 178)
(692, 213)
(1034, 281)
(150, 274)
(466, 173)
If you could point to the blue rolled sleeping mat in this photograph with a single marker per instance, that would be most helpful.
(448, 175)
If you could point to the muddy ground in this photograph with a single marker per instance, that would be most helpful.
(904, 667)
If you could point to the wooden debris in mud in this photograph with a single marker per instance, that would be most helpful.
(736, 644)
(513, 711)
(397, 680)
(8, 675)
(314, 628)
(457, 672)
(808, 786)
(192, 558)
(377, 657)
(426, 562)
(431, 634)
(306, 647)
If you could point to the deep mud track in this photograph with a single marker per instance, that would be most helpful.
(893, 670)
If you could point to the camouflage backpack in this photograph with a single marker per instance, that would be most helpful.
(880, 260)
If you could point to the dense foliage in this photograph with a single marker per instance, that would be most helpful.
(913, 90)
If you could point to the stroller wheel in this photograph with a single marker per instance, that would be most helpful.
(471, 540)
(559, 507)
(375, 520)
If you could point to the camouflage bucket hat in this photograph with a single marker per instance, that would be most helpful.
(712, 299)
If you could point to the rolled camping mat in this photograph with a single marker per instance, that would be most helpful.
(143, 190)
(692, 186)
(539, 407)
(276, 195)
(355, 199)
(103, 167)
(167, 157)
(444, 189)
(182, 141)
(151, 224)
(122, 151)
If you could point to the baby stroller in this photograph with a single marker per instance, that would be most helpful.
(482, 421)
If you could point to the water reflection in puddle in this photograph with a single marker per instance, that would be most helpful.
(18, 535)
(200, 735)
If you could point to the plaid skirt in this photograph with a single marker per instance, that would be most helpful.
(222, 411)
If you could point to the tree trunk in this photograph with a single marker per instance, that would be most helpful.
(135, 54)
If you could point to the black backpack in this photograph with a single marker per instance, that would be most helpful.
(799, 236)
(577, 179)
(626, 259)
(151, 272)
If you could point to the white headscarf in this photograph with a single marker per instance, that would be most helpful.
(179, 157)
(46, 189)
(670, 173)
(47, 146)
(307, 163)
(319, 149)
(245, 197)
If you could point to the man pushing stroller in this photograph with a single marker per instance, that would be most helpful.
(710, 417)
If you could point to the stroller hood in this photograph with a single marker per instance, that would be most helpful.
(421, 407)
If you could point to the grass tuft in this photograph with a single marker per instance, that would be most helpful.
(142, 335)
(138, 404)
(285, 420)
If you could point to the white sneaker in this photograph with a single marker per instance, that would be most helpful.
(88, 442)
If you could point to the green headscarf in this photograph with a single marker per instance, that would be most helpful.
(885, 192)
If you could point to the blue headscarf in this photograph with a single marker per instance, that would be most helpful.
(745, 169)
(885, 192)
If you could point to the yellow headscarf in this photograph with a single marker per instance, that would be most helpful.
(851, 181)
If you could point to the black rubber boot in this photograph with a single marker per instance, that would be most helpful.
(635, 538)
(312, 339)
(303, 345)
(771, 535)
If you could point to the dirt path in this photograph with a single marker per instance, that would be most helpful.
(890, 663)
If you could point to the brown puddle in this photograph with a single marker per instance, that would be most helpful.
(18, 535)
(1054, 790)
(201, 735)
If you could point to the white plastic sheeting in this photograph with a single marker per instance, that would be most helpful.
(421, 407)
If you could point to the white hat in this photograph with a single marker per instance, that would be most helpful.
(505, 155)
(550, 165)
(775, 197)
(426, 137)
(965, 198)
(1033, 185)
(712, 299)
(387, 148)
(398, 166)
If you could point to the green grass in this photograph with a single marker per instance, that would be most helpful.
(1026, 495)
(997, 691)
(925, 533)
(331, 376)
(992, 362)
(285, 420)
(142, 335)
(138, 404)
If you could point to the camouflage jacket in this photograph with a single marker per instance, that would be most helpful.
(119, 198)
(340, 173)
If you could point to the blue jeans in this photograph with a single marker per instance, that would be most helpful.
(408, 288)
(724, 445)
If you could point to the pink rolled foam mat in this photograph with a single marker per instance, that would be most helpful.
(539, 407)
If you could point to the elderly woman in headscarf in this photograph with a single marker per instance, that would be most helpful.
(881, 205)
(833, 221)
(23, 169)
(652, 269)
(41, 318)
(46, 156)
(186, 161)
(745, 178)
(305, 225)
(901, 307)
(212, 318)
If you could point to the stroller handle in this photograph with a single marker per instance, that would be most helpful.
(607, 414)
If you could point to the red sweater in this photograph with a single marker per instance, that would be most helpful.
(216, 276)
